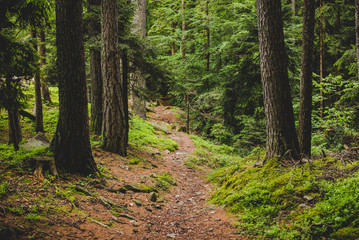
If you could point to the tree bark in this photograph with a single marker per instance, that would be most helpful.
(173, 42)
(96, 75)
(139, 80)
(357, 31)
(183, 30)
(42, 48)
(281, 135)
(305, 109)
(321, 36)
(38, 97)
(13, 120)
(71, 143)
(114, 134)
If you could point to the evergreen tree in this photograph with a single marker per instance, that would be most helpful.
(305, 111)
(114, 130)
(71, 143)
(281, 135)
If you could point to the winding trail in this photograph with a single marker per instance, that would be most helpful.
(186, 215)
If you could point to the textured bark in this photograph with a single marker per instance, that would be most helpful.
(71, 142)
(14, 129)
(305, 109)
(357, 31)
(281, 135)
(42, 48)
(125, 73)
(321, 36)
(96, 76)
(114, 134)
(138, 79)
(38, 97)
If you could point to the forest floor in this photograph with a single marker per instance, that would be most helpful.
(147, 195)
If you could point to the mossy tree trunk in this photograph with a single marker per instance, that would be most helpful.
(281, 135)
(71, 143)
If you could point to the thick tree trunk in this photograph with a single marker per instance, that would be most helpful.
(38, 97)
(305, 110)
(281, 135)
(114, 134)
(96, 76)
(42, 48)
(71, 142)
(139, 81)
(357, 31)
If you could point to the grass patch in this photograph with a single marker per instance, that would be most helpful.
(209, 154)
(142, 134)
(314, 200)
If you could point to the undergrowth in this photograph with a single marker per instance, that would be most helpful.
(318, 199)
(143, 134)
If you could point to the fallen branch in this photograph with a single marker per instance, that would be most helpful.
(27, 115)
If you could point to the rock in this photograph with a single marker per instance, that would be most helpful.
(161, 126)
(153, 197)
(172, 235)
(140, 188)
(39, 140)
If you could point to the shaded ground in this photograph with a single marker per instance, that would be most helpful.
(81, 208)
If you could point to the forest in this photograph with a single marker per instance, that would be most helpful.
(182, 119)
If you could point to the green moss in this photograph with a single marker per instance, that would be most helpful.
(143, 134)
(4, 188)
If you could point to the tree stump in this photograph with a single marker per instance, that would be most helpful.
(44, 163)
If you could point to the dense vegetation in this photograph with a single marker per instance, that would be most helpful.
(204, 56)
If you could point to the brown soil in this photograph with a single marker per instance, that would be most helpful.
(181, 212)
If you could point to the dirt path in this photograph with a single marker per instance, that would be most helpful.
(186, 214)
(181, 212)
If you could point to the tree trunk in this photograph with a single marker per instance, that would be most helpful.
(357, 31)
(13, 120)
(173, 42)
(114, 135)
(96, 75)
(42, 48)
(321, 60)
(125, 73)
(305, 109)
(38, 97)
(139, 81)
(281, 135)
(207, 43)
(71, 142)
(14, 128)
(183, 30)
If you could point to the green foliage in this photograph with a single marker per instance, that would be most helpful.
(4, 188)
(336, 217)
(164, 180)
(9, 155)
(142, 134)
(210, 155)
